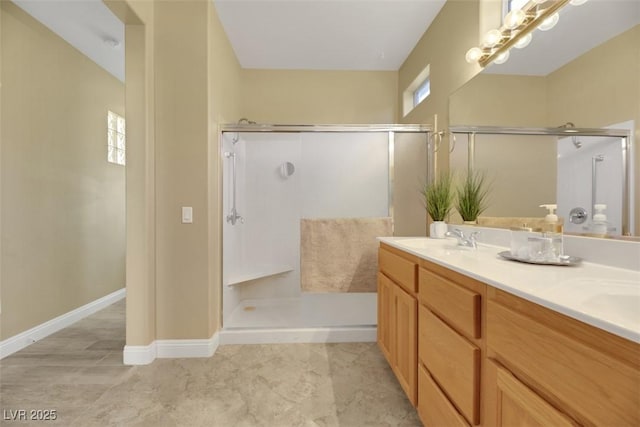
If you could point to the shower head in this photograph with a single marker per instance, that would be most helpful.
(567, 125)
(576, 143)
(599, 158)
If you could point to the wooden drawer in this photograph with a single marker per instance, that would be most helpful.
(401, 270)
(592, 387)
(459, 306)
(433, 406)
(452, 360)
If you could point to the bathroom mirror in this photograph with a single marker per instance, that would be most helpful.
(584, 73)
(576, 169)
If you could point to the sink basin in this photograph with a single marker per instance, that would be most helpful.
(618, 300)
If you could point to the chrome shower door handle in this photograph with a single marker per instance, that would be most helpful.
(578, 215)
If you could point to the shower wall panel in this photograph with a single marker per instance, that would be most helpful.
(574, 179)
(336, 175)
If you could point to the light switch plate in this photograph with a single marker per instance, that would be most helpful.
(187, 215)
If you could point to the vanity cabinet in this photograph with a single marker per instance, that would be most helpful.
(397, 316)
(546, 366)
(467, 353)
(449, 346)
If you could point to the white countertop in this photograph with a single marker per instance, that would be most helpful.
(605, 297)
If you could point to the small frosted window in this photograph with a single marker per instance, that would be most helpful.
(116, 142)
(515, 4)
(422, 92)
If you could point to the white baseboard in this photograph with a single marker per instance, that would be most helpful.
(299, 335)
(188, 348)
(139, 354)
(28, 337)
(143, 355)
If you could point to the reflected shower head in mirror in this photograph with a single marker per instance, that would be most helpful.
(576, 143)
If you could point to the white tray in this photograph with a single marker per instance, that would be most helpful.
(566, 260)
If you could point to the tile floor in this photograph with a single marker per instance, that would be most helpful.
(78, 372)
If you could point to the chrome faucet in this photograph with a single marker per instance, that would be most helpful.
(467, 241)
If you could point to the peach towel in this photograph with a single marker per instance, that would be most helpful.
(340, 254)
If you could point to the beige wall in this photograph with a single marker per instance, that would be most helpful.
(62, 203)
(442, 47)
(315, 97)
(500, 100)
(196, 89)
(181, 168)
(178, 99)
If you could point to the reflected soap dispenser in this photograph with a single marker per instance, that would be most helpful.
(552, 230)
(599, 226)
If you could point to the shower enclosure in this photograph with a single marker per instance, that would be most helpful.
(589, 174)
(302, 206)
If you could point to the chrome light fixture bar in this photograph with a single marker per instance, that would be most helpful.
(516, 30)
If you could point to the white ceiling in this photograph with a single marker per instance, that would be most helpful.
(325, 35)
(88, 25)
(336, 34)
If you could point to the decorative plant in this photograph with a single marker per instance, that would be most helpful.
(472, 195)
(438, 197)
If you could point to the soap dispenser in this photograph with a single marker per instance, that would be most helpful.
(552, 222)
(552, 229)
(599, 226)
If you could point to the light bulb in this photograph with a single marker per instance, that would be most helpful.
(514, 19)
(549, 23)
(524, 41)
(577, 2)
(502, 58)
(491, 38)
(473, 55)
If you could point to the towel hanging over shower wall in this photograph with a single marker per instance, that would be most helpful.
(340, 254)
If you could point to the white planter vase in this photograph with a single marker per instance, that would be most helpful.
(438, 229)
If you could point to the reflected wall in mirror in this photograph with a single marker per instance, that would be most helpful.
(585, 71)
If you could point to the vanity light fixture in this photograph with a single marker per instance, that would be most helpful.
(523, 41)
(502, 58)
(549, 23)
(516, 30)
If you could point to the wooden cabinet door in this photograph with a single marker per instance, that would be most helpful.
(386, 318)
(406, 336)
(518, 405)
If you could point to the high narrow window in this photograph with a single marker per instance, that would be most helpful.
(422, 92)
(116, 143)
(513, 4)
(417, 91)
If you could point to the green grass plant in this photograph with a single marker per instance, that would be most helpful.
(471, 195)
(439, 196)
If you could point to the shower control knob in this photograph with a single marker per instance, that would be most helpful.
(578, 215)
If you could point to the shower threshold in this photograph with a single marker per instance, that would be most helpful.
(311, 317)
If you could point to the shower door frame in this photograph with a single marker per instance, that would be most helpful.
(390, 129)
(623, 134)
(326, 128)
